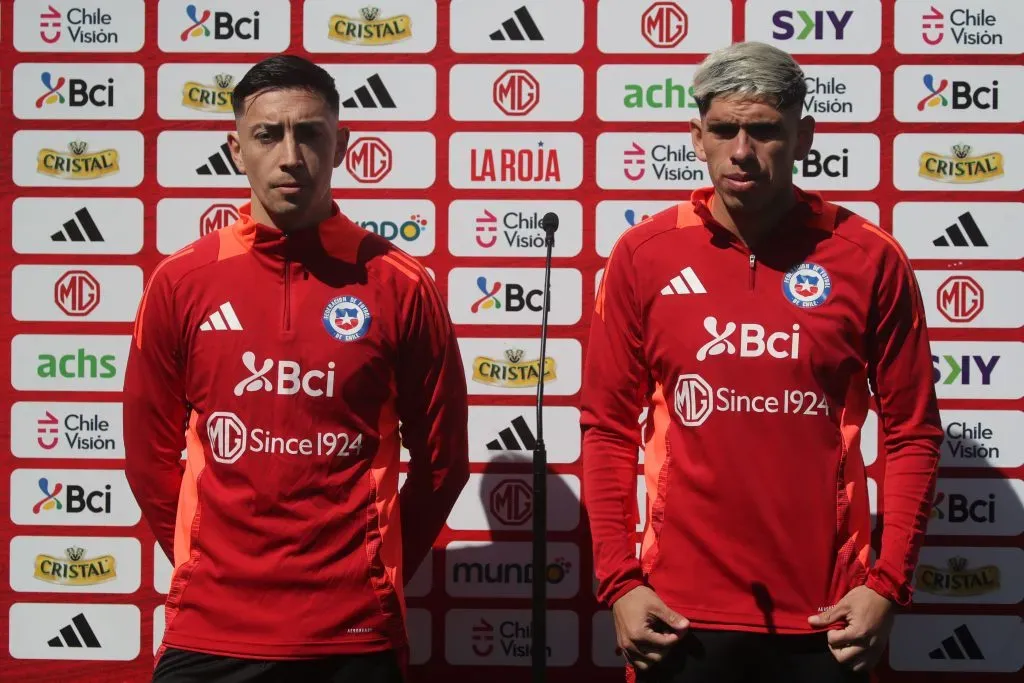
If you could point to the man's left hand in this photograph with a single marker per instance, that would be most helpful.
(868, 621)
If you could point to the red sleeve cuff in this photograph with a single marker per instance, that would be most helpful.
(883, 583)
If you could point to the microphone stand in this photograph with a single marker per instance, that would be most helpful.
(538, 628)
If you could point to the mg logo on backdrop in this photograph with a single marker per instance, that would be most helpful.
(664, 24)
(369, 160)
(77, 293)
(516, 92)
(216, 217)
(960, 299)
(511, 502)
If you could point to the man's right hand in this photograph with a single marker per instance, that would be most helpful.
(645, 627)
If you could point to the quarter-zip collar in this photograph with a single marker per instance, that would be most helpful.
(337, 237)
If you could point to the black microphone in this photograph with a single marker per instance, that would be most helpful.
(538, 628)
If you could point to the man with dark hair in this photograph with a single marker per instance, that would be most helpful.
(758, 323)
(285, 354)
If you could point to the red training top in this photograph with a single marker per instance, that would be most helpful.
(756, 369)
(285, 364)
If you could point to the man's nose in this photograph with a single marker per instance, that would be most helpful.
(742, 147)
(290, 157)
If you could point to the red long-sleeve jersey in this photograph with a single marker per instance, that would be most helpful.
(285, 365)
(756, 369)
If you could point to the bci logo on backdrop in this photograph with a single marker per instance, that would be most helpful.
(78, 91)
(223, 26)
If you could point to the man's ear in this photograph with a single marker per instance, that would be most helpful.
(697, 137)
(235, 145)
(804, 136)
(342, 146)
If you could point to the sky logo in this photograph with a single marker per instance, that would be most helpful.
(49, 502)
(489, 299)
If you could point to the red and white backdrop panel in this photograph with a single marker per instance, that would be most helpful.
(471, 119)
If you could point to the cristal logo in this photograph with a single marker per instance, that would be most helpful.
(227, 435)
(516, 92)
(752, 341)
(369, 160)
(664, 24)
(692, 400)
(290, 378)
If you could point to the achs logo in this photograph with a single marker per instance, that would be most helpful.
(369, 160)
(209, 98)
(752, 341)
(511, 502)
(515, 165)
(807, 285)
(520, 26)
(665, 95)
(225, 26)
(77, 500)
(634, 162)
(77, 165)
(74, 569)
(216, 217)
(346, 318)
(960, 299)
(369, 29)
(960, 369)
(79, 365)
(516, 92)
(956, 580)
(77, 293)
(961, 167)
(227, 435)
(817, 25)
(664, 24)
(512, 372)
(80, 94)
(933, 26)
(490, 298)
(486, 230)
(290, 378)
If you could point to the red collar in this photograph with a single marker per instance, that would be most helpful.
(809, 211)
(337, 236)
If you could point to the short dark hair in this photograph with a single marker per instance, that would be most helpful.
(285, 72)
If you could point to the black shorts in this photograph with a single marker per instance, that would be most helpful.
(736, 657)
(181, 666)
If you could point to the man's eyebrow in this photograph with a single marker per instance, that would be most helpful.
(305, 123)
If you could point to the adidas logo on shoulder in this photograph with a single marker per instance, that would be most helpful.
(523, 29)
(222, 319)
(686, 282)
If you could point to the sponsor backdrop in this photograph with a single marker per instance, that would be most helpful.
(471, 119)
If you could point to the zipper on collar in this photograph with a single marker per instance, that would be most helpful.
(752, 270)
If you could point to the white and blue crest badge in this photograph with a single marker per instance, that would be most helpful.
(807, 285)
(346, 318)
